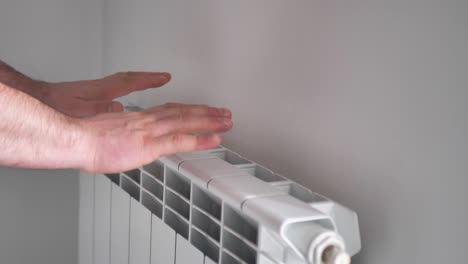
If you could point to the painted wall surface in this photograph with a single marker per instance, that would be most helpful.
(363, 101)
(51, 40)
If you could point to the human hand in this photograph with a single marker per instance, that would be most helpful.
(33, 135)
(103, 139)
(91, 97)
(117, 142)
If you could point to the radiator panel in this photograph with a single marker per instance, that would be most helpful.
(86, 219)
(186, 253)
(208, 207)
(102, 219)
(163, 241)
(120, 225)
(140, 233)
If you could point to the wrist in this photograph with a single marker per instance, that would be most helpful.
(82, 144)
(33, 135)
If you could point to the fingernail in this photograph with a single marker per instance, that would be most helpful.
(226, 112)
(166, 75)
(225, 121)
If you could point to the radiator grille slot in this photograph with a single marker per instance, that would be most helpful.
(176, 203)
(134, 175)
(151, 203)
(130, 187)
(263, 173)
(206, 224)
(238, 247)
(205, 245)
(228, 258)
(156, 169)
(114, 177)
(176, 222)
(178, 183)
(207, 203)
(153, 186)
(231, 157)
(240, 224)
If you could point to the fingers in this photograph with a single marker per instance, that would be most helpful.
(180, 118)
(123, 83)
(175, 143)
(191, 124)
(130, 139)
(183, 110)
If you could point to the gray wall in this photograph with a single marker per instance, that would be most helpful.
(51, 40)
(39, 216)
(364, 101)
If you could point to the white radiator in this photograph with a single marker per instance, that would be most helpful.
(210, 207)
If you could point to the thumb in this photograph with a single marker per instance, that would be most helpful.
(115, 107)
(108, 107)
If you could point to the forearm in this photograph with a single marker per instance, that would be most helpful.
(32, 135)
(17, 80)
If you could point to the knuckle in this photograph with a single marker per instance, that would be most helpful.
(181, 114)
(127, 124)
(160, 128)
(177, 139)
